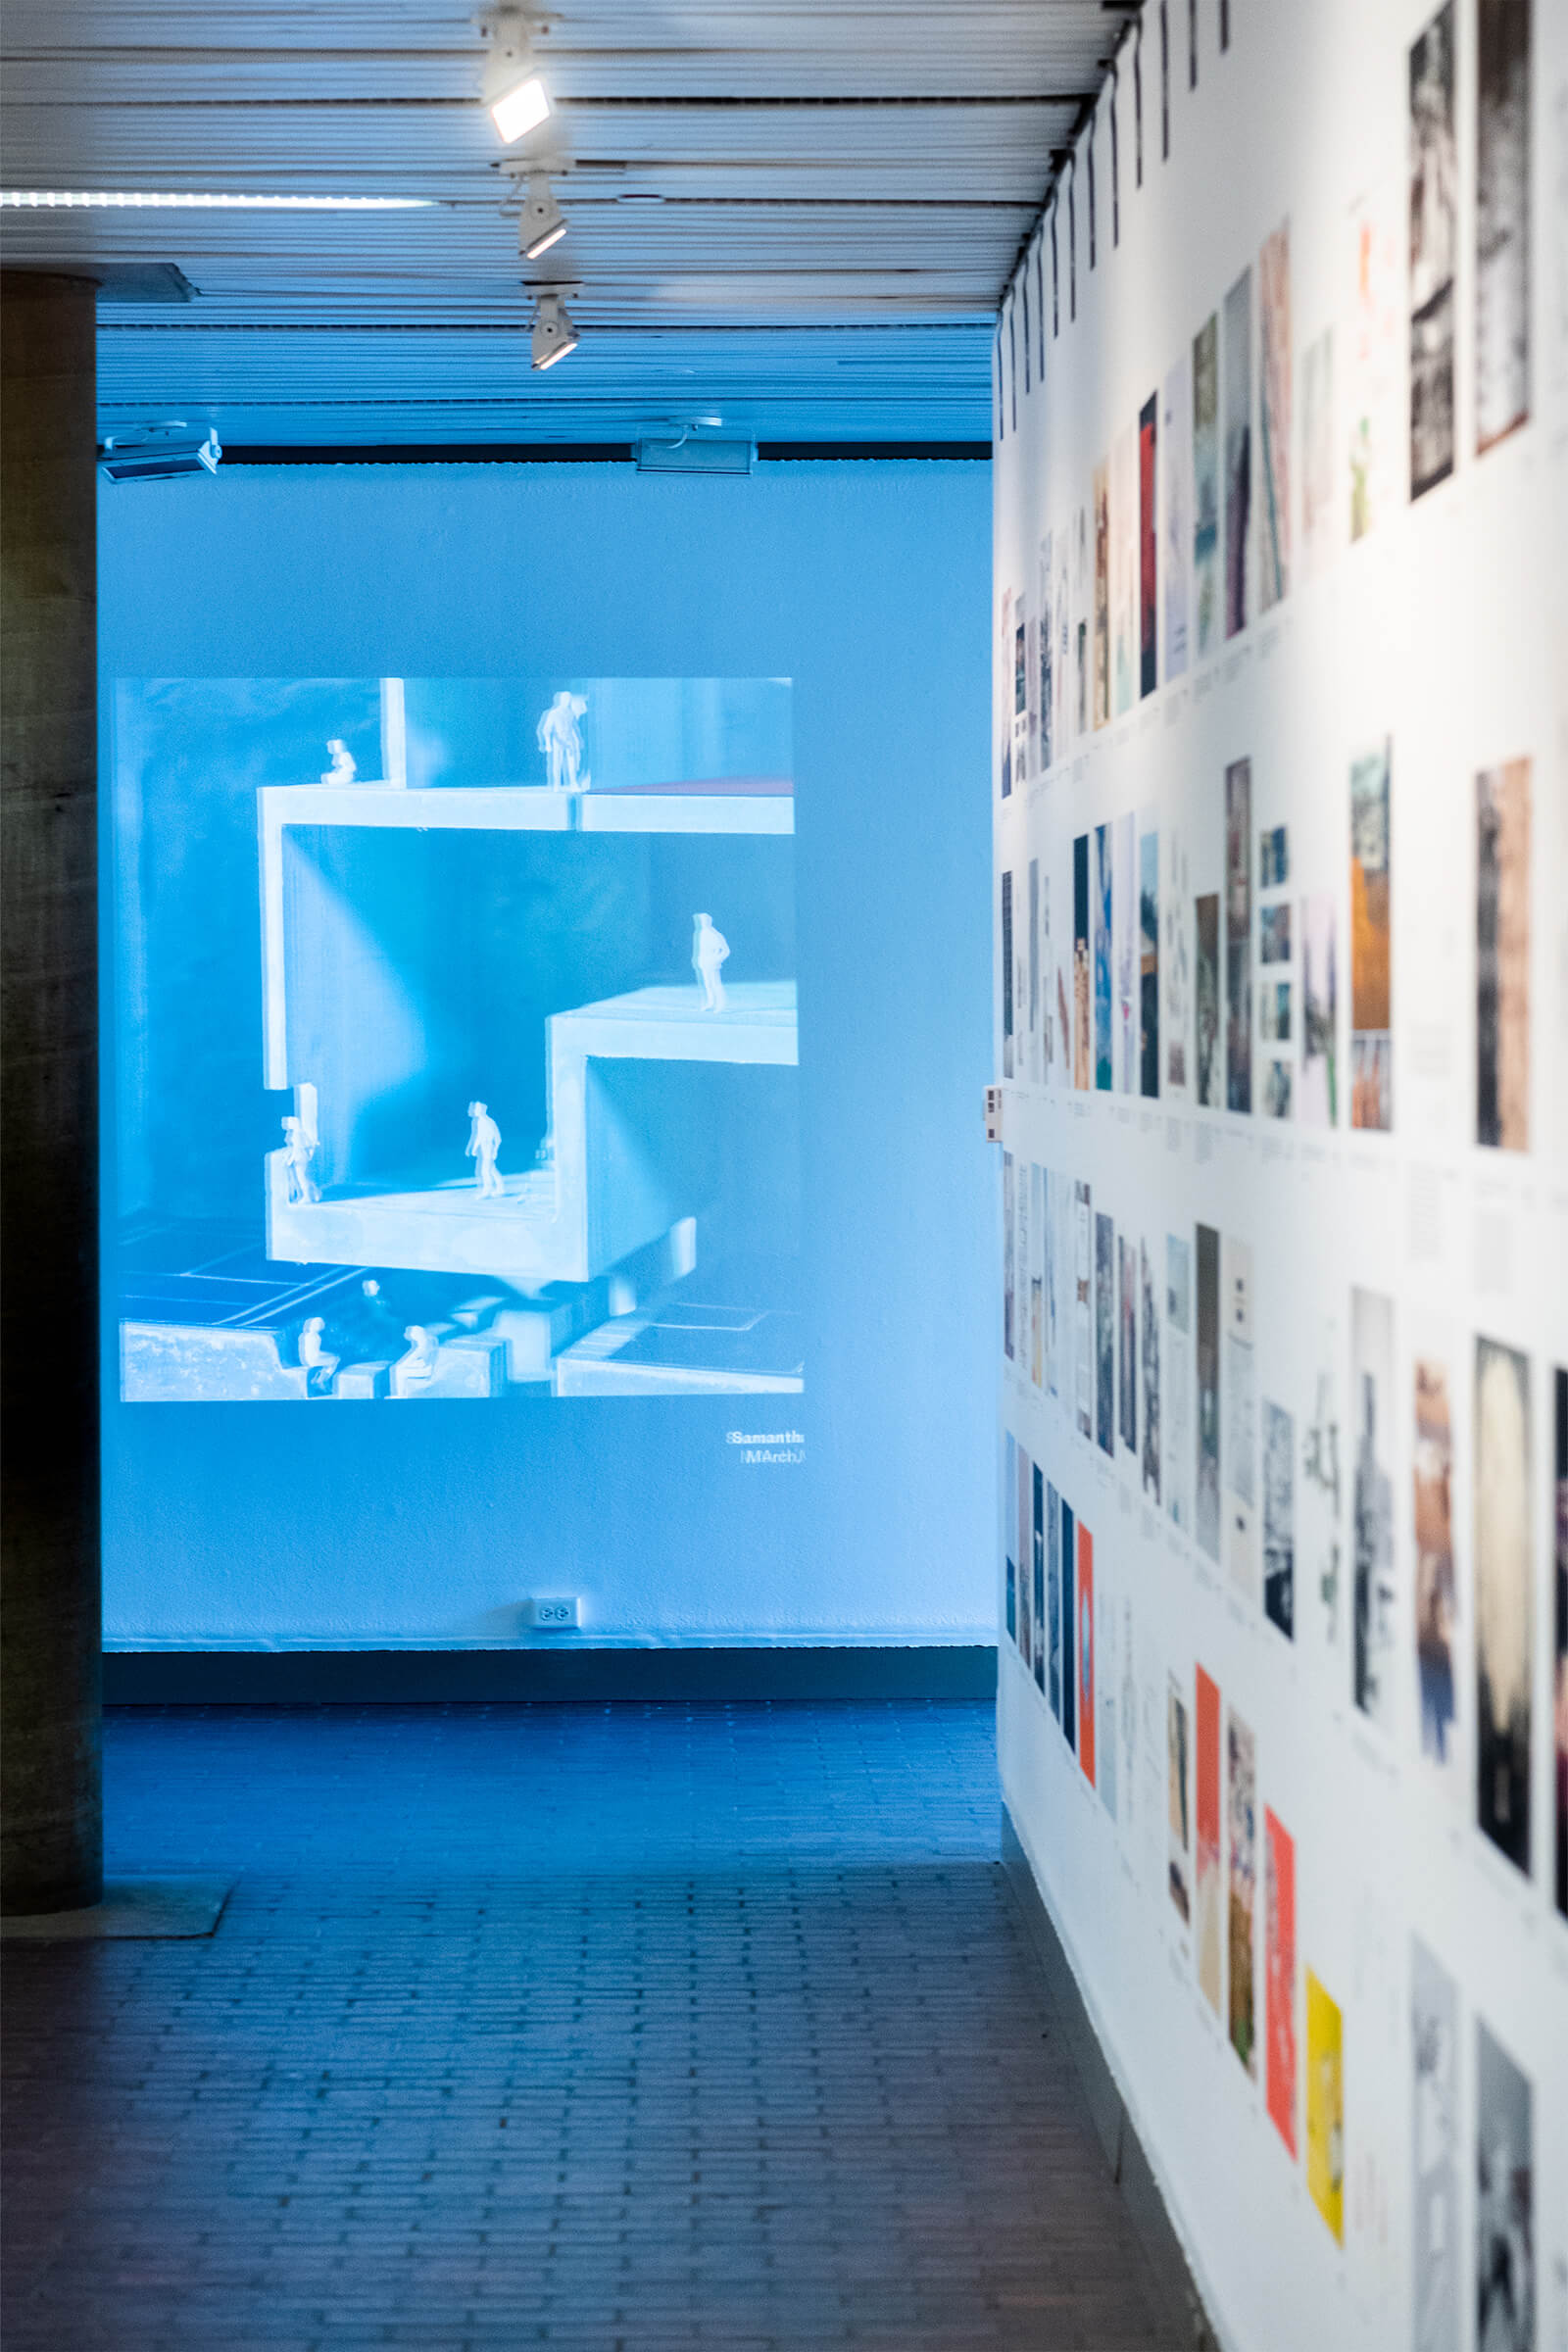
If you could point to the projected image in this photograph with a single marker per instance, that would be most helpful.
(455, 1047)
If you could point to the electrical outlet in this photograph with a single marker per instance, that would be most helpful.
(553, 1613)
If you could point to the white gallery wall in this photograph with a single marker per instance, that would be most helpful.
(1280, 755)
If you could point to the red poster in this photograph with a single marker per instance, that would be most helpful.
(1086, 1651)
(1279, 1865)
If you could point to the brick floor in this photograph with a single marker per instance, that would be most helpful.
(594, 2028)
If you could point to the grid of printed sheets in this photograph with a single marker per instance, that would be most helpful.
(1281, 741)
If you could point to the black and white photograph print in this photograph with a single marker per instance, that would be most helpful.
(1434, 237)
(1006, 975)
(1279, 1518)
(1238, 1447)
(1105, 1334)
(1206, 998)
(1505, 1600)
(1009, 1277)
(1505, 2196)
(1372, 1505)
(1239, 935)
(1053, 1600)
(1502, 219)
(1084, 1345)
(1148, 1318)
(1176, 1366)
(1236, 379)
(1038, 1563)
(1127, 1344)
(1179, 1781)
(1205, 1517)
(1434, 2151)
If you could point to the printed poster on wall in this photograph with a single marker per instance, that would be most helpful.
(1325, 2106)
(1208, 1932)
(1239, 1451)
(1371, 884)
(1504, 1598)
(1274, 417)
(1178, 1780)
(1241, 1815)
(1147, 545)
(1279, 1942)
(1207, 585)
(1175, 484)
(1374, 369)
(1087, 1661)
(1236, 383)
(1502, 219)
(1372, 1358)
(1505, 2288)
(1502, 957)
(1318, 447)
(1434, 241)
(1434, 2151)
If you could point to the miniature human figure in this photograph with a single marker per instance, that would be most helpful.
(298, 1153)
(423, 1349)
(344, 767)
(483, 1147)
(710, 951)
(560, 741)
(320, 1364)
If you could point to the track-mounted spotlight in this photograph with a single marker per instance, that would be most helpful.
(554, 334)
(543, 222)
(513, 90)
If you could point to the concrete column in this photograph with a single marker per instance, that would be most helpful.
(50, 1616)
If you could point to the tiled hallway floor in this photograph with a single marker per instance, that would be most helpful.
(643, 2027)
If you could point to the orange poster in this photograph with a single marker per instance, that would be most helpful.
(1279, 1915)
(1086, 1651)
(1206, 1875)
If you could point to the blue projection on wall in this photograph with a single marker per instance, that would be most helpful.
(456, 1045)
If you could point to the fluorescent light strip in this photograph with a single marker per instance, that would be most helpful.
(182, 200)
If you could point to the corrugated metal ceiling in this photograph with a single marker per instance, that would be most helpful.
(801, 217)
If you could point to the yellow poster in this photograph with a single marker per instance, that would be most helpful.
(1325, 2106)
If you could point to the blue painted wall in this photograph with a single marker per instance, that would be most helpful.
(868, 585)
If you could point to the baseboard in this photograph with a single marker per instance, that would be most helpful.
(1181, 2305)
(270, 1677)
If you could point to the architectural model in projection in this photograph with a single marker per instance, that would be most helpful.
(524, 1105)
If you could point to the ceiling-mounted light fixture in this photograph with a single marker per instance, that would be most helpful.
(543, 222)
(513, 90)
(196, 200)
(156, 452)
(554, 334)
